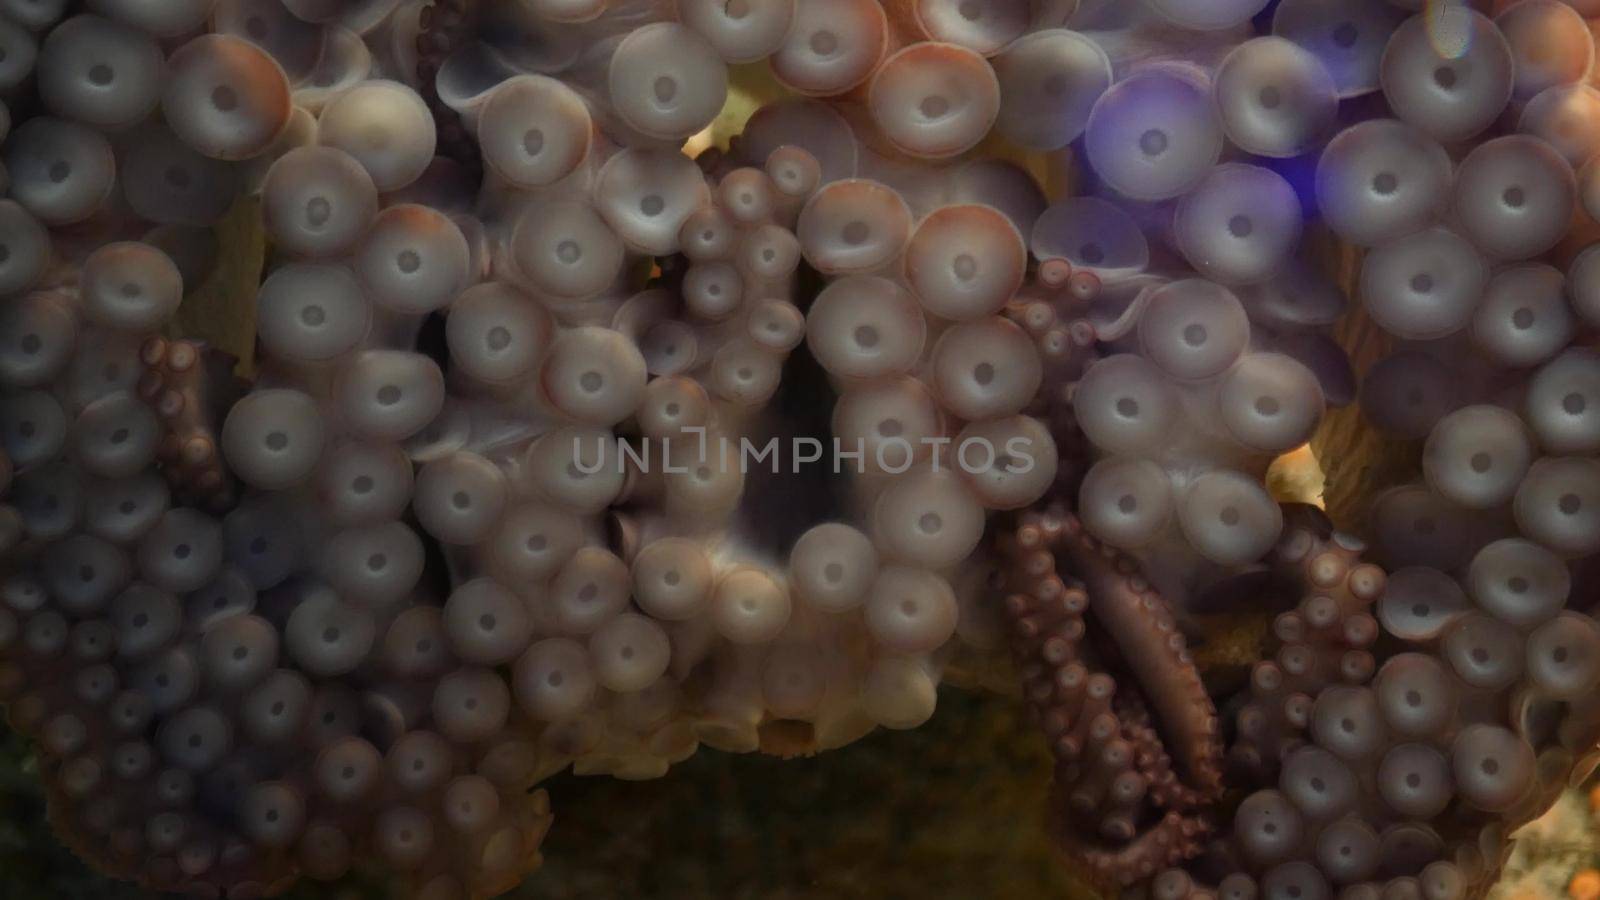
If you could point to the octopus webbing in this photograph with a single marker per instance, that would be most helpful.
(405, 401)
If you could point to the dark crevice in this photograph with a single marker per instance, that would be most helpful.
(776, 508)
(807, 497)
(431, 341)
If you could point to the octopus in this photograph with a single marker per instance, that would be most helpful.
(628, 377)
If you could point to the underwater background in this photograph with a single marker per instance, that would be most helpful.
(951, 809)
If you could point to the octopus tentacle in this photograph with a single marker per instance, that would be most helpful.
(1142, 626)
(189, 384)
(1123, 810)
(1324, 640)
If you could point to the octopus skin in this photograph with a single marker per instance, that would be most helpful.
(566, 447)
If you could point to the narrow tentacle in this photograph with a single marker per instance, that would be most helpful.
(190, 385)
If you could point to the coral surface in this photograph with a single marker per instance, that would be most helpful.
(553, 425)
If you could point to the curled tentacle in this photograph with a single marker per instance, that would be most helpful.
(1138, 760)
